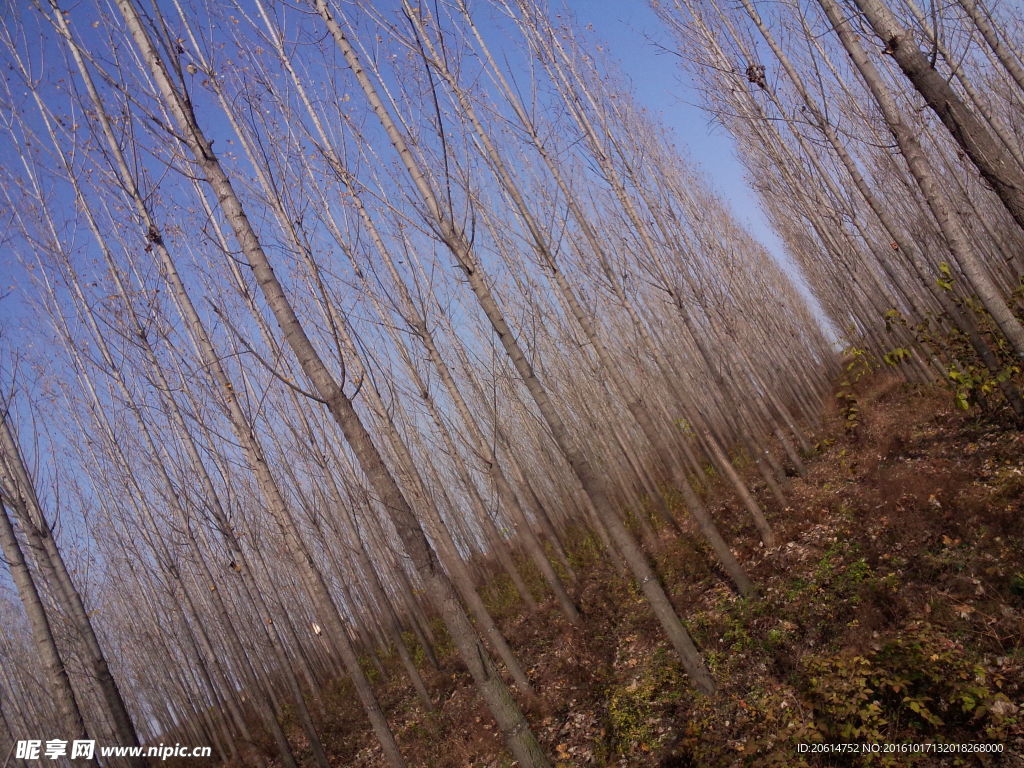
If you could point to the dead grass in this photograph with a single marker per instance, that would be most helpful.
(892, 613)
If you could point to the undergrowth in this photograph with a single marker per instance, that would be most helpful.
(892, 614)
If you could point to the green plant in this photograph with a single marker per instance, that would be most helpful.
(1017, 584)
(971, 382)
(945, 278)
(635, 708)
(859, 363)
(896, 356)
(500, 596)
(919, 685)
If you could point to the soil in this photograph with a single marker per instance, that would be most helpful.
(890, 621)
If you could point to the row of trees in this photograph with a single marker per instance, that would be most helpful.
(885, 141)
(337, 311)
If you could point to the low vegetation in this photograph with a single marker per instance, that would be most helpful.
(893, 614)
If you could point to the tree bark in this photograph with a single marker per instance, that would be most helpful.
(993, 160)
(42, 631)
(947, 218)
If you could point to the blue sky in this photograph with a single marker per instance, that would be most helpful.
(636, 39)
(633, 34)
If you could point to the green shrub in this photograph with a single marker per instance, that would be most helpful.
(918, 686)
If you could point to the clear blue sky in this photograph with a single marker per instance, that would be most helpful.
(633, 34)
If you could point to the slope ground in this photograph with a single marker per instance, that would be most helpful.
(891, 615)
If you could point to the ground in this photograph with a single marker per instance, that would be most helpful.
(891, 615)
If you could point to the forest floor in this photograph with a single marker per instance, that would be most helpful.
(892, 614)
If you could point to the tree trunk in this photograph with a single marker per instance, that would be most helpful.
(995, 163)
(510, 719)
(69, 596)
(948, 220)
(42, 632)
